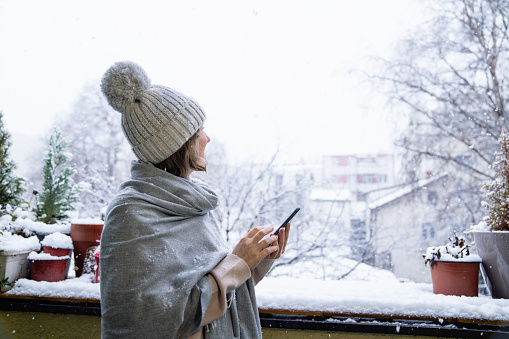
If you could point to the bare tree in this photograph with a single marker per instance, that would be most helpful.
(451, 79)
(254, 194)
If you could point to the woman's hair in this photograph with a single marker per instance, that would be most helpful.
(184, 159)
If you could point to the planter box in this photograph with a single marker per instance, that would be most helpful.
(13, 265)
(493, 247)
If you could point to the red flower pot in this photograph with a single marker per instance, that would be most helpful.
(455, 278)
(57, 252)
(84, 236)
(48, 270)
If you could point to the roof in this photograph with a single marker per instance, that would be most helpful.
(324, 194)
(394, 193)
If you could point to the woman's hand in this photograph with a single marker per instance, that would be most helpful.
(252, 249)
(281, 242)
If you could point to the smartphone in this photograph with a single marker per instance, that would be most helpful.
(287, 220)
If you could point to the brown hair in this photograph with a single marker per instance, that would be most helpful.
(184, 159)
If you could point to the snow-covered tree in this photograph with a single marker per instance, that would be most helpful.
(11, 186)
(450, 81)
(59, 192)
(100, 152)
(498, 189)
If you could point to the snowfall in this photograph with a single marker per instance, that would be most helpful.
(366, 291)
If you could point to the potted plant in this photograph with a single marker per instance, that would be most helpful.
(47, 267)
(14, 250)
(85, 233)
(492, 234)
(58, 244)
(454, 268)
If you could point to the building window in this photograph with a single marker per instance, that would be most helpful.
(428, 231)
(367, 178)
(340, 160)
(339, 178)
(432, 197)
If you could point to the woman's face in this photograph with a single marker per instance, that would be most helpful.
(203, 140)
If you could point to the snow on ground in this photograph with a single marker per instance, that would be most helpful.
(385, 296)
(382, 297)
(81, 287)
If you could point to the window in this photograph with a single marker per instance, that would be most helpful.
(428, 231)
(432, 197)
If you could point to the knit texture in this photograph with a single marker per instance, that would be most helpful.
(159, 242)
(156, 120)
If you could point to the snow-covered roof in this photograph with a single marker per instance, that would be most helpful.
(324, 194)
(386, 196)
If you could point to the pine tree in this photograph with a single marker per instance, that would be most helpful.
(11, 186)
(59, 194)
(498, 189)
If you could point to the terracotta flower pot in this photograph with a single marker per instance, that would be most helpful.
(455, 278)
(493, 248)
(84, 236)
(48, 270)
(57, 252)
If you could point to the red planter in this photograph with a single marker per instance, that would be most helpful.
(455, 278)
(57, 252)
(84, 236)
(48, 270)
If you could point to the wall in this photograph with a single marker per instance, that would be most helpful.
(399, 235)
(49, 325)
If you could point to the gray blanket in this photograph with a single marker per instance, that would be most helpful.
(159, 241)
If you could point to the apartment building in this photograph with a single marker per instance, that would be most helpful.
(358, 174)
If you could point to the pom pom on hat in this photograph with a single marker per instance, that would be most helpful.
(156, 120)
(123, 83)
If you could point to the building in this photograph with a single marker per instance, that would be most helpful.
(358, 174)
(402, 222)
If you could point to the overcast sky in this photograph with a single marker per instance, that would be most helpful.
(270, 74)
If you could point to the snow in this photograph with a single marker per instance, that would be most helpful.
(87, 221)
(378, 296)
(480, 227)
(324, 194)
(45, 256)
(23, 221)
(57, 240)
(366, 290)
(450, 256)
(81, 287)
(13, 242)
(456, 249)
(384, 197)
(382, 297)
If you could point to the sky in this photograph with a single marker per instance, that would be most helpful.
(271, 75)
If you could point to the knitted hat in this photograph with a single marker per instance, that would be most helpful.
(156, 120)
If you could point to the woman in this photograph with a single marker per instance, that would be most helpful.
(166, 272)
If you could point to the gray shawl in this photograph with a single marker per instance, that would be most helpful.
(159, 241)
